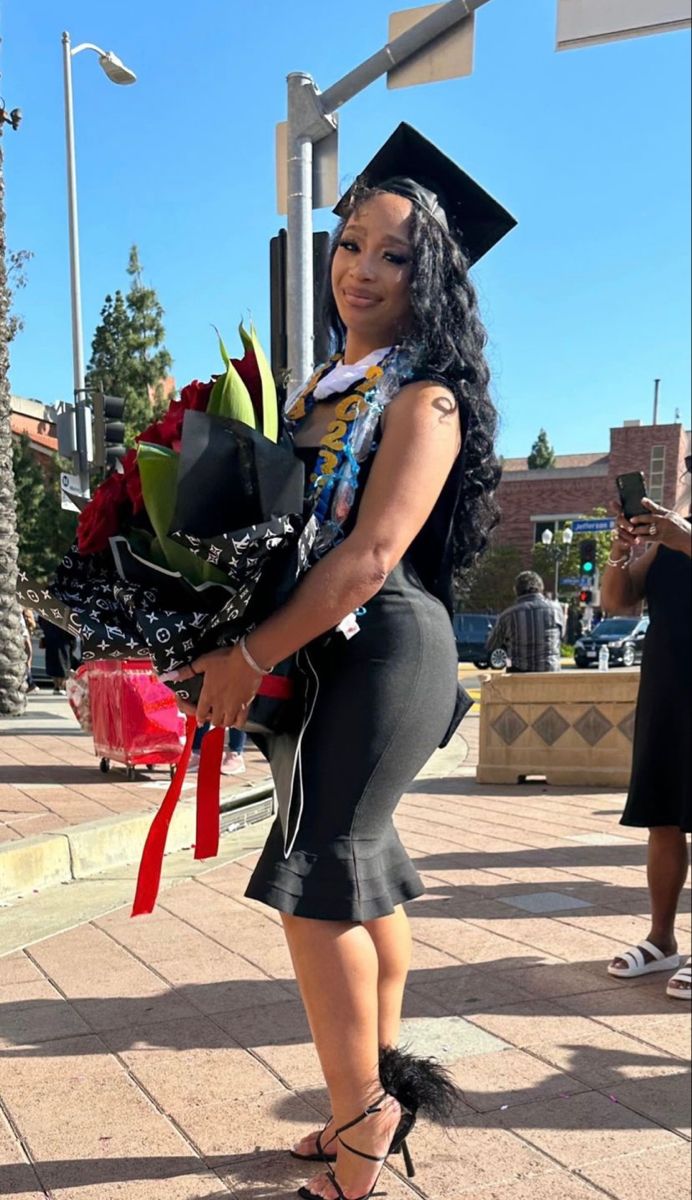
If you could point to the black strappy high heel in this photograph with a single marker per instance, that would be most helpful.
(406, 1123)
(322, 1156)
(419, 1084)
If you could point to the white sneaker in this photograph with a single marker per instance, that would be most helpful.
(233, 763)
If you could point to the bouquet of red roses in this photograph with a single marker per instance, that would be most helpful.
(200, 535)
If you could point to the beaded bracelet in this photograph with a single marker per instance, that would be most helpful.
(620, 562)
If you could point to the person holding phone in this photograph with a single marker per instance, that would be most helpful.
(660, 787)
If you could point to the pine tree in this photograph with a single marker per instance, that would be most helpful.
(542, 455)
(44, 528)
(128, 357)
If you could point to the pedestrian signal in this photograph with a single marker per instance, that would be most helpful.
(585, 596)
(587, 556)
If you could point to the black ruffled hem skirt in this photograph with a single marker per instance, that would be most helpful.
(346, 881)
(383, 703)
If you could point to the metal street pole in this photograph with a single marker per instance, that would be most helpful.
(118, 73)
(311, 118)
(300, 312)
(75, 284)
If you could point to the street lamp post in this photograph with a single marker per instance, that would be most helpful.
(117, 72)
(557, 550)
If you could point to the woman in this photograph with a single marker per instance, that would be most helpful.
(660, 789)
(385, 686)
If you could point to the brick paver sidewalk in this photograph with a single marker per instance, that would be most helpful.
(167, 1058)
(50, 778)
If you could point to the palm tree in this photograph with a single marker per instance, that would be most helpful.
(12, 654)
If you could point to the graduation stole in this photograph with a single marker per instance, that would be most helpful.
(337, 468)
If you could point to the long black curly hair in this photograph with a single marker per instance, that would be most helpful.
(446, 339)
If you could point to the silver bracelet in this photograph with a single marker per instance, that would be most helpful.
(251, 662)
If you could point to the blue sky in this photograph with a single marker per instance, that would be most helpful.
(585, 303)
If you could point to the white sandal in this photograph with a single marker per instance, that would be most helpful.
(681, 993)
(637, 964)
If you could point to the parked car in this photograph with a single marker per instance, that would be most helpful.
(624, 637)
(471, 631)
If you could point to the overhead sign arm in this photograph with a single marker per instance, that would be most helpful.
(395, 53)
(312, 118)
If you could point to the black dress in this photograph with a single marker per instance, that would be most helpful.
(59, 647)
(384, 700)
(661, 787)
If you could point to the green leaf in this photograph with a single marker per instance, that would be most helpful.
(158, 470)
(222, 347)
(229, 395)
(270, 407)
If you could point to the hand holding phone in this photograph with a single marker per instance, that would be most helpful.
(632, 491)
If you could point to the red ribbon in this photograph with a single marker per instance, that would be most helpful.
(149, 876)
(275, 687)
(208, 793)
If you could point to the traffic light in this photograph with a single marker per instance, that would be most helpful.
(585, 596)
(109, 430)
(587, 556)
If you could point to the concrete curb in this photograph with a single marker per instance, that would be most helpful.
(82, 851)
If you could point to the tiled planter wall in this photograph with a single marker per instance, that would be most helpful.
(570, 727)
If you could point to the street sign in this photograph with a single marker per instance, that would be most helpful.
(594, 525)
(572, 581)
(69, 484)
(449, 56)
(592, 22)
(325, 169)
(66, 429)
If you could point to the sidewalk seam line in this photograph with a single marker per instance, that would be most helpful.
(211, 1018)
(22, 1143)
(168, 1117)
(154, 970)
(123, 1065)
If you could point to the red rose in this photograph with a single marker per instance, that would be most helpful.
(248, 369)
(133, 483)
(195, 395)
(169, 430)
(102, 517)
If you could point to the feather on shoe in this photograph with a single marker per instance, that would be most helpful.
(421, 1085)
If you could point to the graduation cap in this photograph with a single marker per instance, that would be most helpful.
(409, 165)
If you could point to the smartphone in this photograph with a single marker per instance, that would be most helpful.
(632, 490)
